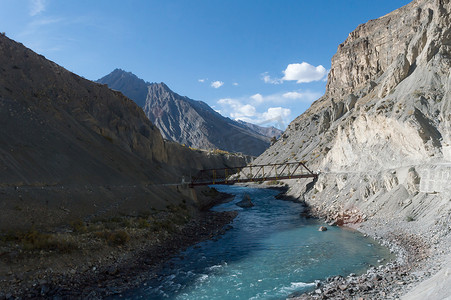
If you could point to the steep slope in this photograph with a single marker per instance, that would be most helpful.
(188, 121)
(380, 136)
(271, 132)
(74, 149)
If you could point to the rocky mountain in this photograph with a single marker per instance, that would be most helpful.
(380, 137)
(128, 83)
(197, 125)
(266, 131)
(190, 122)
(74, 149)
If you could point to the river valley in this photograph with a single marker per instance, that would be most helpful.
(269, 252)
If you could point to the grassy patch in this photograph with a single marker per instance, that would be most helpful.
(36, 240)
(116, 238)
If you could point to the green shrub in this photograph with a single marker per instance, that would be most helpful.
(79, 226)
(116, 238)
(143, 223)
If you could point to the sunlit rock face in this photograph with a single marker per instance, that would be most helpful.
(380, 137)
(387, 103)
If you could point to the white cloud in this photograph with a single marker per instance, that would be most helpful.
(278, 98)
(276, 114)
(235, 83)
(246, 110)
(305, 96)
(217, 84)
(201, 80)
(37, 6)
(267, 79)
(304, 72)
(301, 73)
(257, 98)
(236, 109)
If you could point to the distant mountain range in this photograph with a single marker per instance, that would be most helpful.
(188, 121)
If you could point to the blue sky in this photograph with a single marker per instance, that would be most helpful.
(258, 60)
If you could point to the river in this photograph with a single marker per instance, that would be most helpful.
(269, 252)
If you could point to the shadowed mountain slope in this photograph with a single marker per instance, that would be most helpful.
(71, 148)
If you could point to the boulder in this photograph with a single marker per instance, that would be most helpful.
(246, 202)
(322, 228)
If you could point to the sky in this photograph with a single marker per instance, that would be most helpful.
(261, 61)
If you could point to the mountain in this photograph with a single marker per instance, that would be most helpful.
(188, 121)
(266, 131)
(72, 149)
(128, 83)
(197, 125)
(380, 137)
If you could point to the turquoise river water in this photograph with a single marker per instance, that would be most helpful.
(269, 253)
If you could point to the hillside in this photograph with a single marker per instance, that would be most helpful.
(381, 139)
(188, 121)
(73, 149)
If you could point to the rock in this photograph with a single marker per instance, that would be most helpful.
(322, 228)
(112, 270)
(332, 223)
(44, 289)
(246, 202)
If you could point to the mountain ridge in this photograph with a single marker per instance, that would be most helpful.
(195, 124)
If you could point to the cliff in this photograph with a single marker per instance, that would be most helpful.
(380, 137)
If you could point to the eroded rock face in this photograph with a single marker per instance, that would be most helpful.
(380, 137)
(387, 103)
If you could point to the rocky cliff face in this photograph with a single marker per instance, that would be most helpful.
(381, 136)
(387, 103)
(190, 122)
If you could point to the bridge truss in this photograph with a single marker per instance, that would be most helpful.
(253, 173)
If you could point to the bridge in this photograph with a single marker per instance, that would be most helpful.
(253, 173)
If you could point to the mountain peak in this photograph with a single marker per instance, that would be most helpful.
(128, 83)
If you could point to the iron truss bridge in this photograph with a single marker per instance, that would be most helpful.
(253, 173)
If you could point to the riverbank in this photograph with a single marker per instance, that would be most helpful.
(420, 245)
(102, 258)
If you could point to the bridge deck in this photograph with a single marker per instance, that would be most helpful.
(253, 173)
